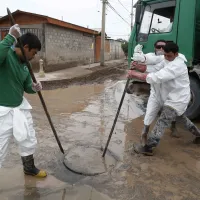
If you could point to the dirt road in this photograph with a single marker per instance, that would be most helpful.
(83, 116)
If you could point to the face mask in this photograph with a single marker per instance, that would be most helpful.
(159, 53)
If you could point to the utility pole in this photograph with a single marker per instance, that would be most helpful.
(132, 16)
(103, 32)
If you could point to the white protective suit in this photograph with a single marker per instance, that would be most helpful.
(174, 84)
(17, 122)
(155, 102)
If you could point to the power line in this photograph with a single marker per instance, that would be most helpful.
(117, 22)
(118, 35)
(117, 13)
(124, 7)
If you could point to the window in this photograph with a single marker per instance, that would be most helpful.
(162, 20)
(146, 21)
(157, 18)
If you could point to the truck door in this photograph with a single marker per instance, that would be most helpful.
(160, 21)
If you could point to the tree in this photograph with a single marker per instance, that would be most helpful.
(125, 48)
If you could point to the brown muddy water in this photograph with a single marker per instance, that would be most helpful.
(83, 116)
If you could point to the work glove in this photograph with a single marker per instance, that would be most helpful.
(139, 67)
(37, 86)
(138, 48)
(139, 57)
(15, 31)
(136, 75)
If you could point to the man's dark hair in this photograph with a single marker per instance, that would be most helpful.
(171, 47)
(31, 40)
(159, 41)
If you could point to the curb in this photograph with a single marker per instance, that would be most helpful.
(84, 79)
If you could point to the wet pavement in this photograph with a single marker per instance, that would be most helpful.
(16, 186)
(83, 116)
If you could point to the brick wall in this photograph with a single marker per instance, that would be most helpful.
(67, 48)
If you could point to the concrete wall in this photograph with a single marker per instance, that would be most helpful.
(116, 51)
(113, 49)
(67, 48)
(107, 50)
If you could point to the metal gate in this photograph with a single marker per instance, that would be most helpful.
(37, 31)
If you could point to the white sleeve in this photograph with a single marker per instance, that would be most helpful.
(152, 59)
(155, 68)
(169, 72)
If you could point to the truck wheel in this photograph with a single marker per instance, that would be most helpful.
(193, 110)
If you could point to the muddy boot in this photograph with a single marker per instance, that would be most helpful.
(30, 169)
(146, 150)
(174, 131)
(196, 140)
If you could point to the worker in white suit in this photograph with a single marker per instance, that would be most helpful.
(153, 106)
(174, 95)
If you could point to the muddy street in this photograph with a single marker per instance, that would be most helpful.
(83, 116)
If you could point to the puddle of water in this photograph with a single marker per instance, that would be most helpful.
(92, 126)
(90, 113)
(173, 173)
(66, 101)
(15, 186)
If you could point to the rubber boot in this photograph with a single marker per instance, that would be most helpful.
(145, 150)
(196, 140)
(30, 169)
(174, 132)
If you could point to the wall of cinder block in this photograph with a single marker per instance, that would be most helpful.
(65, 48)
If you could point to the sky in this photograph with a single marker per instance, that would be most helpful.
(86, 13)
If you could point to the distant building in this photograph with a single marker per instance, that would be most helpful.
(64, 44)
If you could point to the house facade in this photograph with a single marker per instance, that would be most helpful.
(64, 44)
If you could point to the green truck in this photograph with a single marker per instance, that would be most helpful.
(171, 20)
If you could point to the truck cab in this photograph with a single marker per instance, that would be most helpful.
(171, 20)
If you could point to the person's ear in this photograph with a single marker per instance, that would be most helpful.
(26, 47)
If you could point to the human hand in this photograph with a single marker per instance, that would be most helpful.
(139, 57)
(139, 67)
(15, 31)
(136, 75)
(138, 48)
(37, 86)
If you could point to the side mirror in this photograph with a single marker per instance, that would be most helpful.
(138, 13)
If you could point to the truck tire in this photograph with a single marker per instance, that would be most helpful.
(193, 110)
